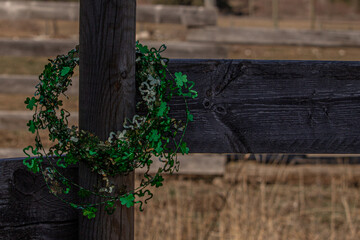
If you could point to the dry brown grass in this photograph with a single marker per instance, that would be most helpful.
(239, 206)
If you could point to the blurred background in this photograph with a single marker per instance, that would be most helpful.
(253, 196)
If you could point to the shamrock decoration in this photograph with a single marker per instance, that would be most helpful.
(153, 134)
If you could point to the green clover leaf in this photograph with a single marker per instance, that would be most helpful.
(154, 136)
(110, 207)
(184, 149)
(157, 181)
(92, 153)
(65, 71)
(89, 212)
(31, 103)
(30, 162)
(128, 200)
(180, 79)
(143, 49)
(159, 149)
(31, 126)
(162, 109)
(190, 117)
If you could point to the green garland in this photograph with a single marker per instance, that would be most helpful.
(154, 134)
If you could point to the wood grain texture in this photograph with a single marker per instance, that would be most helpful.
(107, 96)
(26, 84)
(191, 16)
(272, 106)
(28, 210)
(264, 36)
(53, 47)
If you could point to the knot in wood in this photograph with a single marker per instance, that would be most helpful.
(25, 182)
(207, 104)
(123, 74)
(220, 110)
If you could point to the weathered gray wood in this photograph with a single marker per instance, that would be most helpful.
(28, 210)
(29, 47)
(275, 36)
(106, 98)
(276, 106)
(272, 106)
(191, 16)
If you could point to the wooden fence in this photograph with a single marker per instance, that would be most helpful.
(243, 106)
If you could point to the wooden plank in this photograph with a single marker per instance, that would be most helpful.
(46, 47)
(106, 98)
(11, 153)
(275, 37)
(192, 164)
(35, 47)
(26, 84)
(15, 10)
(190, 16)
(15, 120)
(274, 106)
(28, 210)
(254, 106)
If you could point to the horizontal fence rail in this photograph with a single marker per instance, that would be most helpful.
(28, 210)
(186, 15)
(259, 106)
(253, 106)
(244, 106)
(262, 36)
(53, 47)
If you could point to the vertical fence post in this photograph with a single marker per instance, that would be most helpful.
(107, 96)
(275, 13)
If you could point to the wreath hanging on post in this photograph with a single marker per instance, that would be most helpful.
(153, 134)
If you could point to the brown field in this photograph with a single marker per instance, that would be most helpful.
(251, 201)
(243, 205)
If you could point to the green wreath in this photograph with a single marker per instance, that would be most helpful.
(153, 134)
